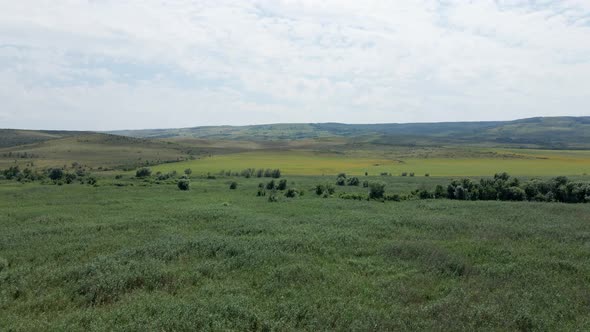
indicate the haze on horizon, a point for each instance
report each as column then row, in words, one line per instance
column 107, row 65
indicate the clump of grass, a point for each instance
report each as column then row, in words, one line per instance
column 431, row 257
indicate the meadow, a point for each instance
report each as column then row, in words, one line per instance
column 132, row 255
column 525, row 163
column 109, row 251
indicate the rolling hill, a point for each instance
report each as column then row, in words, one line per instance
column 540, row 132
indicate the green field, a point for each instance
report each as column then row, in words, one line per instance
column 138, row 254
column 526, row 163
column 150, row 257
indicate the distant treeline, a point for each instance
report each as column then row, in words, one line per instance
column 501, row 187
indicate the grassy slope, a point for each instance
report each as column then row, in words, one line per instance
column 154, row 258
column 15, row 137
column 93, row 150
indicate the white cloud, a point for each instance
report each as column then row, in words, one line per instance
column 136, row 64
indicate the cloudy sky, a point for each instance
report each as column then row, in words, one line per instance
column 114, row 64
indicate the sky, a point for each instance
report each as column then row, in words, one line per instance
column 115, row 64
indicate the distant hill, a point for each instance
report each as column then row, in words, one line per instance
column 90, row 149
column 14, row 137
column 540, row 132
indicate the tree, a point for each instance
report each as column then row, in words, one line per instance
column 233, row 185
column 184, row 184
column 143, row 172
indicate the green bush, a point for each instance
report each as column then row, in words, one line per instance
column 183, row 184
column 271, row 185
column 143, row 172
column 233, row 185
column 376, row 190
column 292, row 193
column 282, row 185
column 354, row 181
column 55, row 174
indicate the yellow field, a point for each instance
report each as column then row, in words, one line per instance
column 531, row 163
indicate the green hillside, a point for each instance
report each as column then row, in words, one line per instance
column 93, row 150
column 548, row 133
column 15, row 137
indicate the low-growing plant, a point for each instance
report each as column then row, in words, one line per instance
column 233, row 185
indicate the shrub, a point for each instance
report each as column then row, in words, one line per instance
column 424, row 194
column 365, row 184
column 70, row 177
column 516, row 194
column 366, row 173
column 276, row 173
column 291, row 193
column 330, row 189
column 354, row 181
column 319, row 189
column 188, row 171
column 393, row 197
column 427, row 174
column 282, row 185
column 439, row 192
column 273, row 197
column 183, row 184
column 233, row 185
column 412, row 174
column 11, row 172
column 324, row 190
column 91, row 180
column 405, row 174
column 261, row 192
column 143, row 172
column 55, row 174
column 376, row 190
column 341, row 181
column 353, row 196
column 271, row 185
